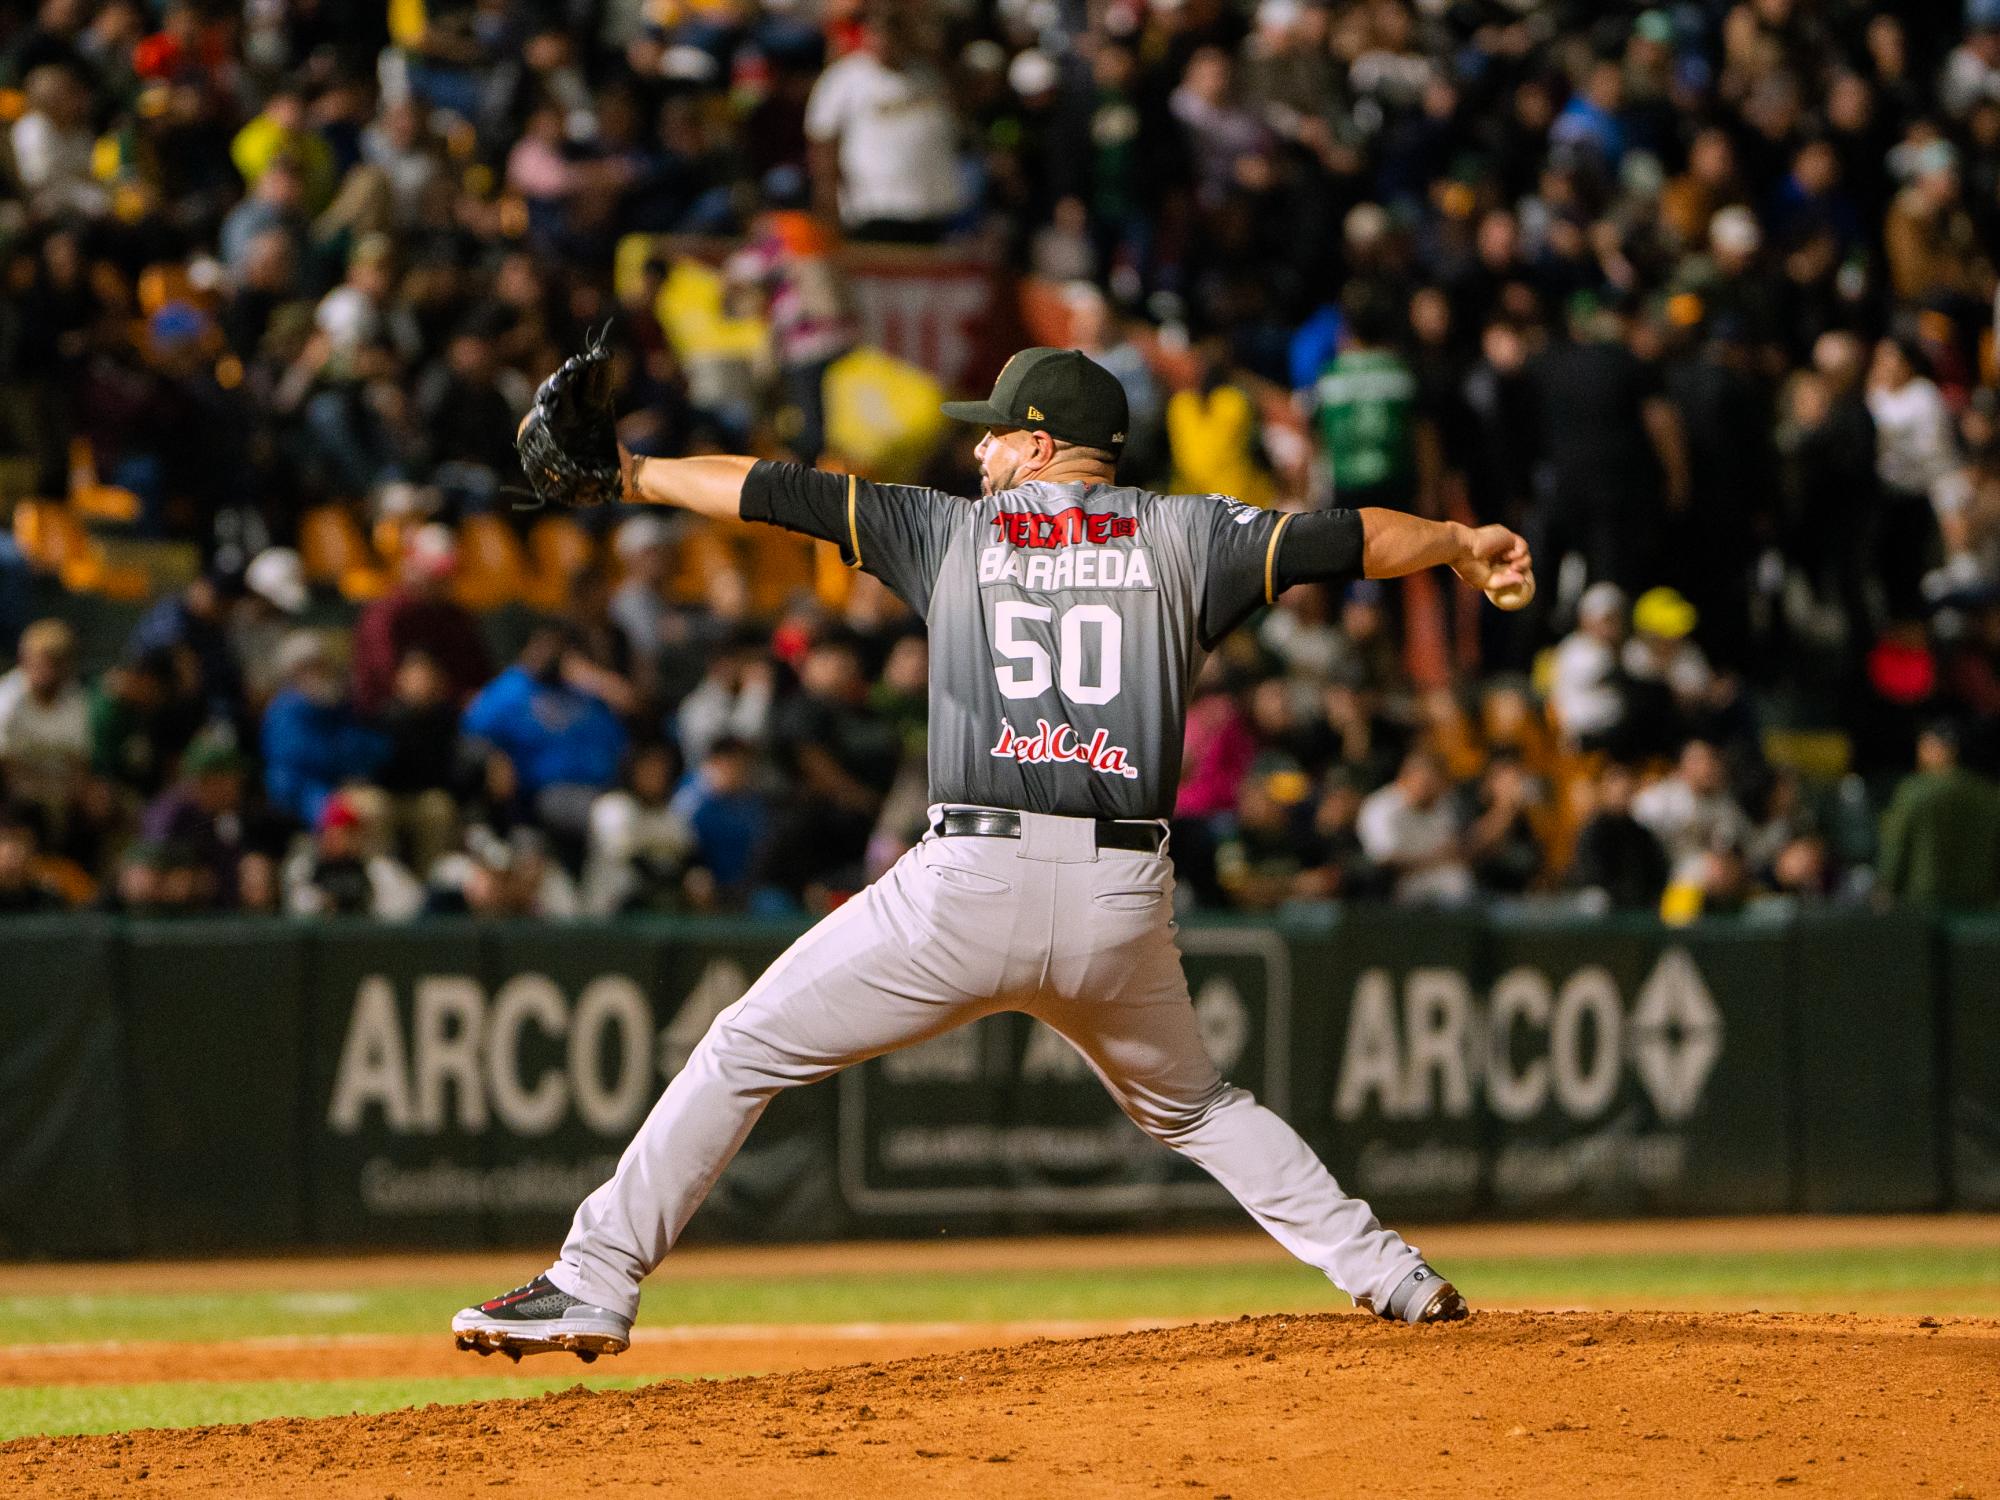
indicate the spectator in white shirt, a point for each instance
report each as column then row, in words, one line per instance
column 45, row 719
column 1583, row 684
column 1693, row 813
column 733, row 700
column 1412, row 829
column 1916, row 457
column 638, row 844
column 884, row 139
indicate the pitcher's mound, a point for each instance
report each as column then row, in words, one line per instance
column 1506, row 1404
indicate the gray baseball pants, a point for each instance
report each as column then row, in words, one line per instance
column 1079, row 938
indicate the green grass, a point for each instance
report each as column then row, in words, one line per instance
column 115, row 1408
column 1960, row 1281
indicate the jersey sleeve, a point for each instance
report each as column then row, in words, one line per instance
column 1238, row 560
column 897, row 532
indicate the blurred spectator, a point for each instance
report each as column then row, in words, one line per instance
column 1585, row 684
column 1941, row 832
column 1619, row 863
column 131, row 740
column 468, row 422
column 417, row 778
column 1501, row 842
column 419, row 615
column 1692, row 812
column 1380, row 447
column 790, row 265
column 1095, row 329
column 729, row 819
column 1668, row 675
column 45, row 721
column 1915, row 454
column 1411, row 829
column 1212, row 434
column 196, row 621
column 313, row 742
column 840, row 757
column 638, row 843
column 561, row 739
column 335, row 875
column 503, row 877
column 196, row 827
column 1260, row 862
column 884, row 138
column 274, row 595
column 1616, row 460
column 733, row 699
column 1338, row 867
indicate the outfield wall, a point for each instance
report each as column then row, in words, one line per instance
column 193, row 1086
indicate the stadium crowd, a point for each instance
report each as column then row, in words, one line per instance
column 1701, row 297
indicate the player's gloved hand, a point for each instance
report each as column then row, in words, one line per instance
column 1498, row 564
column 568, row 441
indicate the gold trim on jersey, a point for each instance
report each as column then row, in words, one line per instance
column 1271, row 559
column 853, row 531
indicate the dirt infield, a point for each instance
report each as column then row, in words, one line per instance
column 1507, row 1404
column 697, row 1350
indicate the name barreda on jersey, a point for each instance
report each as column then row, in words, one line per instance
column 1057, row 744
column 1083, row 568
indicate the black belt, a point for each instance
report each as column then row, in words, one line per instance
column 996, row 823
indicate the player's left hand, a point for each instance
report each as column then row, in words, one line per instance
column 1499, row 565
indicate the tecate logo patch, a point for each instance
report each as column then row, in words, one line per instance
column 1057, row 744
column 1063, row 528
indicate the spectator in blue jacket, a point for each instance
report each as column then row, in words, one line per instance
column 314, row 742
column 563, row 740
column 729, row 817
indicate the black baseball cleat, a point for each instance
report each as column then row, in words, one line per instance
column 1423, row 1296
column 541, row 1318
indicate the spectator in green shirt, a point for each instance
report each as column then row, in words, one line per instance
column 1380, row 448
column 1941, row 834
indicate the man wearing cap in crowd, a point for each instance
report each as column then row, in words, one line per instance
column 202, row 813
column 313, row 742
column 419, row 614
column 274, row 596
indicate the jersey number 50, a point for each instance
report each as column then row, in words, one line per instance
column 1031, row 678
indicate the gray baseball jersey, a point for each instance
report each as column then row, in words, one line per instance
column 1067, row 622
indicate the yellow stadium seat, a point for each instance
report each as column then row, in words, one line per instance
column 105, row 502
column 558, row 550
column 48, row 534
column 698, row 557
column 492, row 569
column 333, row 550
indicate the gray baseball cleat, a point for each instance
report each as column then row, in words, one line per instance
column 541, row 1318
column 1423, row 1296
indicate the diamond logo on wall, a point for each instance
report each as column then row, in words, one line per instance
column 1676, row 1034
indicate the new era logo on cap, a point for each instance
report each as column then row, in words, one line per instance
column 1063, row 392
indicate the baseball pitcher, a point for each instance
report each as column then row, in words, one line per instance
column 1068, row 616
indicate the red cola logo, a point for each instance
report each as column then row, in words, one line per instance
column 1065, row 528
column 1054, row 744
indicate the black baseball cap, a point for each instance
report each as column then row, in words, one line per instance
column 1063, row 392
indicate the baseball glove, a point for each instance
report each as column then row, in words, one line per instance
column 569, row 441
